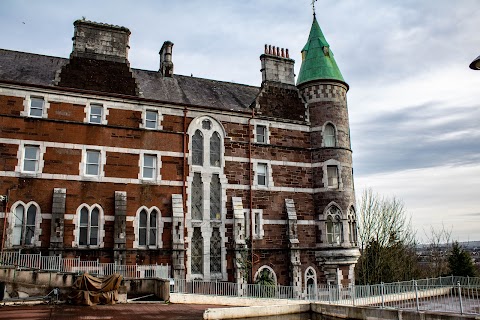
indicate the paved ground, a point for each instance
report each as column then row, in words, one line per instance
column 117, row 312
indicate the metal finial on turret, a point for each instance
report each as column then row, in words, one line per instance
column 313, row 7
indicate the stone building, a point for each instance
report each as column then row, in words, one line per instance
column 219, row 180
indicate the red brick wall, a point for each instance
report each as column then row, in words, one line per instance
column 66, row 111
column 11, row 105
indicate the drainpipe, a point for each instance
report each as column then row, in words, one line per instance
column 250, row 164
column 184, row 189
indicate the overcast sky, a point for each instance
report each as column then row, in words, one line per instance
column 414, row 104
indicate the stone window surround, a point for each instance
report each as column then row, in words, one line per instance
column 264, row 123
column 101, row 226
column 266, row 267
column 27, row 102
column 338, row 164
column 158, row 176
column 143, row 125
column 83, row 163
column 249, row 223
column 11, row 224
column 206, row 225
column 324, row 131
column 269, row 178
column 88, row 108
column 160, row 225
column 21, row 157
column 343, row 219
column 307, row 277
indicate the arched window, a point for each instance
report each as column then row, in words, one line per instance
column 206, row 193
column 197, row 251
column 197, row 148
column 352, row 226
column 265, row 276
column 197, row 196
column 310, row 282
column 334, row 226
column 25, row 217
column 329, row 136
column 89, row 226
column 215, row 150
column 216, row 251
column 215, row 198
column 147, row 228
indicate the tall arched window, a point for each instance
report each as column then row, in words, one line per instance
column 25, row 217
column 215, row 150
column 352, row 226
column 329, row 136
column 215, row 198
column 334, row 226
column 197, row 252
column 197, row 148
column 310, row 282
column 206, row 193
column 147, row 228
column 89, row 223
column 215, row 252
column 89, row 226
column 197, row 196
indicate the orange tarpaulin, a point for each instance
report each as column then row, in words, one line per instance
column 89, row 290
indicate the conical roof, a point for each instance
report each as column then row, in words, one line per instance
column 318, row 62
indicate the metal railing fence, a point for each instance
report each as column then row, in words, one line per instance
column 446, row 294
column 75, row 265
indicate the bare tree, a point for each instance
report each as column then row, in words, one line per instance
column 387, row 240
column 435, row 257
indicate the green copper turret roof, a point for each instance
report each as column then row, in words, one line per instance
column 317, row 58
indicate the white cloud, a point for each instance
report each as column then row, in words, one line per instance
column 444, row 195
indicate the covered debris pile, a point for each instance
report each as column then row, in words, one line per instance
column 89, row 290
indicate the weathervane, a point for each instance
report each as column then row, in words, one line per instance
column 313, row 7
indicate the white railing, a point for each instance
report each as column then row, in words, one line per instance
column 447, row 294
column 75, row 265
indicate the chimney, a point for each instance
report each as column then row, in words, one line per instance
column 100, row 41
column 166, row 64
column 277, row 66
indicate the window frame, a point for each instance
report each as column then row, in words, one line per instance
column 148, row 228
column 24, row 224
column 102, row 117
column 154, row 168
column 263, row 135
column 36, row 160
column 100, row 226
column 334, row 226
column 329, row 138
column 262, row 166
column 330, row 182
column 42, row 108
column 98, row 164
column 147, row 121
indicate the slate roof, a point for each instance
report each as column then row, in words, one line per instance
column 34, row 69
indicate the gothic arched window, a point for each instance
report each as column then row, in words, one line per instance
column 197, row 148
column 24, row 224
column 216, row 251
column 334, row 226
column 352, row 226
column 215, row 150
column 147, row 228
column 89, row 226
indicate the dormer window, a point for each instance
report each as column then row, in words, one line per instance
column 326, row 51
